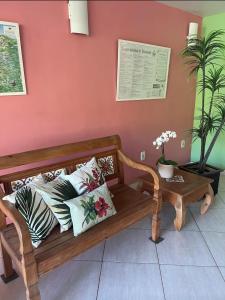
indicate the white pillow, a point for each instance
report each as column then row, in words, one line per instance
column 55, row 193
column 87, row 178
column 90, row 209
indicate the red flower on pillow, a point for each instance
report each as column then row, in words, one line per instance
column 92, row 185
column 101, row 207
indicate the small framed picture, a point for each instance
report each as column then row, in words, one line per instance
column 12, row 79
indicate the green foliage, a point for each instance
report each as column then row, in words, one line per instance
column 202, row 59
column 164, row 161
column 89, row 210
column 38, row 221
column 65, row 191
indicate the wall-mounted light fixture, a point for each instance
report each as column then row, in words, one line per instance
column 78, row 15
column 192, row 34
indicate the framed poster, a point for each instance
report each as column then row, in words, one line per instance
column 142, row 71
column 12, row 80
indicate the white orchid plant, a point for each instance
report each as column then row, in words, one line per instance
column 160, row 142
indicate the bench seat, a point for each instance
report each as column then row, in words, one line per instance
column 131, row 206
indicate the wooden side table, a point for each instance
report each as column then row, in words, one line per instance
column 179, row 194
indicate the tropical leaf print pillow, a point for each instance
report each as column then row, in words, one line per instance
column 54, row 194
column 86, row 178
column 90, row 209
column 39, row 218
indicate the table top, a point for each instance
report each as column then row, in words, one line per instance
column 191, row 182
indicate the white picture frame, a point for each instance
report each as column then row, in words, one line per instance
column 12, row 79
column 142, row 71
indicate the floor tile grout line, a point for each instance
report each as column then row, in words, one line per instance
column 160, row 272
column 163, row 229
column 208, row 248
column 150, row 263
column 99, row 279
column 192, row 266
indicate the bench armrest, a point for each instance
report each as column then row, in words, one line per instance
column 9, row 210
column 139, row 166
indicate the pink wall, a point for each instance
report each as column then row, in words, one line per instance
column 71, row 79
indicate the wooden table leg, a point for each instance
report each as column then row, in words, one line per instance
column 207, row 201
column 180, row 209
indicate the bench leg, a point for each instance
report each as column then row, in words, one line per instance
column 9, row 274
column 33, row 293
column 30, row 277
column 156, row 229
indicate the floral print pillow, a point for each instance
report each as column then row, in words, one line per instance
column 90, row 209
column 86, row 178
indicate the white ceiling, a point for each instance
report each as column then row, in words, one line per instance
column 200, row 8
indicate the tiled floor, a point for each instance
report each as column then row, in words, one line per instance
column 187, row 265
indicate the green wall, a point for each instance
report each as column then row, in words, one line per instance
column 217, row 156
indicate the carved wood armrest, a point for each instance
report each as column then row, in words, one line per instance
column 139, row 166
column 157, row 196
column 14, row 215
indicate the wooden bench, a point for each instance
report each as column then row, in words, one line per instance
column 59, row 248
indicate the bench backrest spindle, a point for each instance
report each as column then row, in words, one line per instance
column 104, row 149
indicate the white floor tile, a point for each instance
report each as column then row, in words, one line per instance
column 167, row 218
column 75, row 280
column 168, row 215
column 130, row 282
column 216, row 244
column 222, row 183
column 131, row 246
column 13, row 290
column 213, row 220
column 217, row 203
column 222, row 195
column 222, row 270
column 184, row 248
column 192, row 283
column 93, row 254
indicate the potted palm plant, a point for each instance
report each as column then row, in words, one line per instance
column 203, row 56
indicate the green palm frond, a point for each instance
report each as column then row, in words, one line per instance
column 214, row 80
column 65, row 191
column 38, row 220
column 204, row 51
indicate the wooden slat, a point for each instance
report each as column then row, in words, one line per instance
column 71, row 163
column 20, row 159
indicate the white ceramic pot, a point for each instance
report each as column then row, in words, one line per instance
column 165, row 171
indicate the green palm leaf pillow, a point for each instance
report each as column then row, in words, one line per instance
column 54, row 194
column 90, row 209
column 87, row 178
column 39, row 218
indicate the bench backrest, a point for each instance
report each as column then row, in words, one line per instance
column 71, row 157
